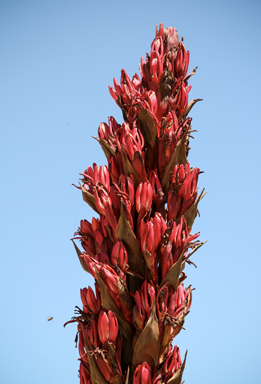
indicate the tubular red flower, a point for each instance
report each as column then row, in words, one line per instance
column 166, row 257
column 93, row 335
column 104, row 205
column 142, row 374
column 139, row 313
column 107, row 327
column 147, row 237
column 119, row 256
column 183, row 192
column 144, row 299
column 172, row 363
column 85, row 378
column 104, row 368
column 91, row 304
column 144, row 195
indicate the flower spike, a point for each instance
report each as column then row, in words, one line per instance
column 146, row 200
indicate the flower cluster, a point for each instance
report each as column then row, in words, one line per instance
column 146, row 200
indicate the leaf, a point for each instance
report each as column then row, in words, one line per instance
column 149, row 260
column 129, row 170
column 191, row 74
column 189, row 107
column 177, row 377
column 107, row 149
column 147, row 346
column 191, row 213
column 179, row 156
column 125, row 233
column 148, row 126
column 149, row 131
column 166, row 340
column 109, row 304
column 193, row 251
column 81, row 259
column 172, row 276
column 124, row 295
column 89, row 198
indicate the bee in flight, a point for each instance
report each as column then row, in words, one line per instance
column 49, row 318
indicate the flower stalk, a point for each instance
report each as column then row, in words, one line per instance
column 146, row 200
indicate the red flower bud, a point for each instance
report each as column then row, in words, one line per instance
column 160, row 227
column 98, row 240
column 103, row 327
column 170, row 37
column 144, row 300
column 86, row 228
column 93, row 335
column 182, row 61
column 172, row 363
column 95, row 224
column 104, row 205
column 183, row 192
column 104, row 368
column 103, row 258
column 138, row 312
column 147, row 297
column 116, row 206
column 107, row 327
column 85, row 377
column 147, row 237
column 166, row 257
column 119, row 255
column 180, row 301
column 90, row 303
column 110, row 278
column 159, row 379
column 81, row 344
column 83, row 298
column 101, row 198
column 142, row 374
column 144, row 195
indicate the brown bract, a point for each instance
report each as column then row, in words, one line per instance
column 177, row 377
column 172, row 276
column 149, row 130
column 147, row 346
column 125, row 233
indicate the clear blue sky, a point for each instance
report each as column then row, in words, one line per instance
column 56, row 62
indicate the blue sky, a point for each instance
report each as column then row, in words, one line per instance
column 57, row 60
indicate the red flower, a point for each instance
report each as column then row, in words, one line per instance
column 142, row 374
column 107, row 327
